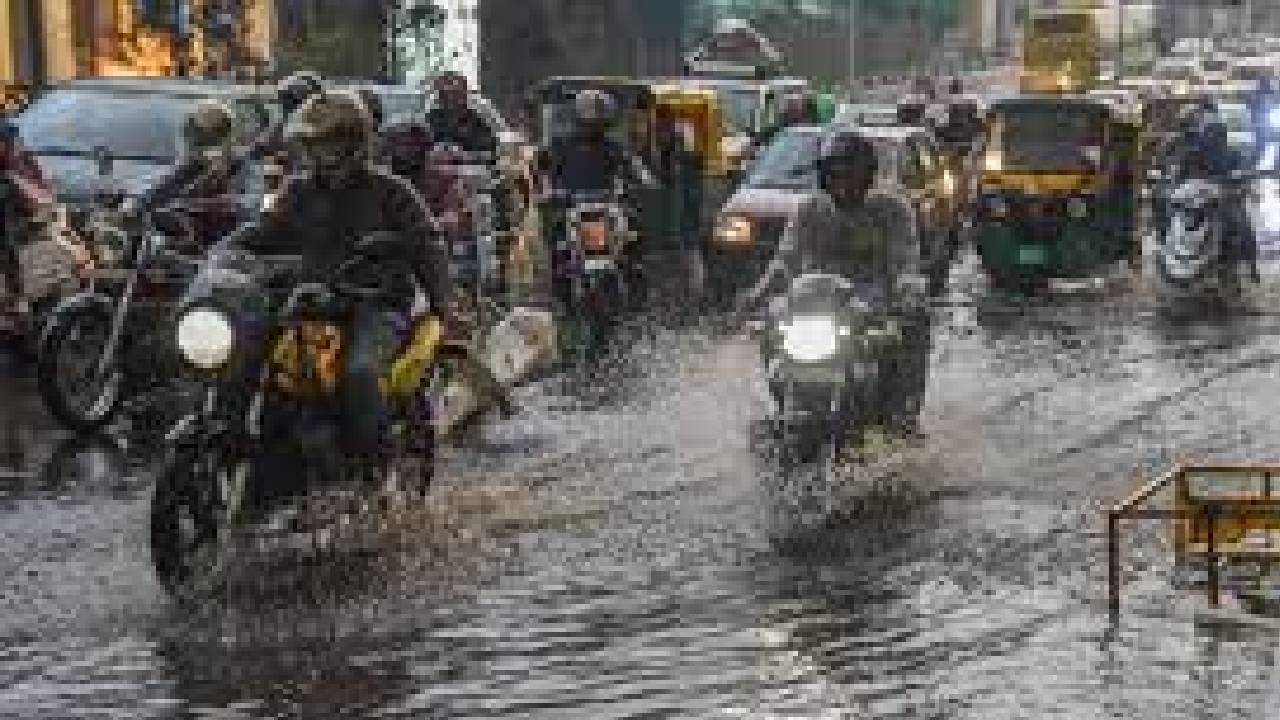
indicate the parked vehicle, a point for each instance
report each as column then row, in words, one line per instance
column 120, row 136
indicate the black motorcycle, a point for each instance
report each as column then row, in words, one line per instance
column 267, row 343
column 836, row 364
column 107, row 345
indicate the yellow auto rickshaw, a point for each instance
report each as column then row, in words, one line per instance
column 1056, row 189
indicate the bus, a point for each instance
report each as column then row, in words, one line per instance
column 1061, row 52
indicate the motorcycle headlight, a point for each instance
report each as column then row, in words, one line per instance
column 206, row 338
column 734, row 231
column 811, row 339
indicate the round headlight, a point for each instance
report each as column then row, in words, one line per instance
column 206, row 338
column 810, row 339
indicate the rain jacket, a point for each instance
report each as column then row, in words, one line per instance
column 876, row 245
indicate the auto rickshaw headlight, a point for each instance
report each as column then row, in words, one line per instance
column 734, row 230
column 206, row 338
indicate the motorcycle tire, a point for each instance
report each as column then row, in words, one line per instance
column 80, row 417
column 187, row 520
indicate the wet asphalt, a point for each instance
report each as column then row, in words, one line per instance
column 611, row 555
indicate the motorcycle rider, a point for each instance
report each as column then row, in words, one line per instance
column 206, row 180
column 25, row 191
column 1206, row 154
column 586, row 161
column 453, row 121
column 340, row 199
column 291, row 93
column 849, row 228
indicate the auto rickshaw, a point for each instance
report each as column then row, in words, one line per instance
column 692, row 186
column 1056, row 189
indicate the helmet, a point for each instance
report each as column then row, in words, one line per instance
column 372, row 103
column 452, row 85
column 295, row 89
column 799, row 109
column 847, row 153
column 211, row 126
column 592, row 106
column 332, row 132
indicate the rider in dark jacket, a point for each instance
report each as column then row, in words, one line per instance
column 340, row 200
column 587, row 161
column 1207, row 154
column 454, row 122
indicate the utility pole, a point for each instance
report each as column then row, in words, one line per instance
column 853, row 42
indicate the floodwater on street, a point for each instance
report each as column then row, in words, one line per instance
column 612, row 558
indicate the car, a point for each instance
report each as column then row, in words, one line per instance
column 912, row 166
column 751, row 222
column 123, row 134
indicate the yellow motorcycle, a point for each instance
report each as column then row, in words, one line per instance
column 269, row 346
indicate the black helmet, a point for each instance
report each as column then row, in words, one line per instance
column 295, row 89
column 799, row 108
column 407, row 142
column 846, row 152
column 210, row 126
column 332, row 131
column 592, row 106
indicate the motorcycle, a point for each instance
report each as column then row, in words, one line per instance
column 1194, row 258
column 831, row 367
column 267, row 346
column 106, row 344
column 600, row 274
column 460, row 188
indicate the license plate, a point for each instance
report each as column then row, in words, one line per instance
column 594, row 264
column 1032, row 255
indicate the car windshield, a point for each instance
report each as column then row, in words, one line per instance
column 126, row 124
column 788, row 162
column 1049, row 137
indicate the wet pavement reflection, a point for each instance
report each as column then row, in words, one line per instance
column 611, row 556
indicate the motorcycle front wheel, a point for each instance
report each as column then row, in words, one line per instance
column 76, row 393
column 187, row 513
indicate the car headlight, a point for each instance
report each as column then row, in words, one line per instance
column 734, row 230
column 811, row 339
column 206, row 338
column 993, row 161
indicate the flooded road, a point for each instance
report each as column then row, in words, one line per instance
column 611, row 559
